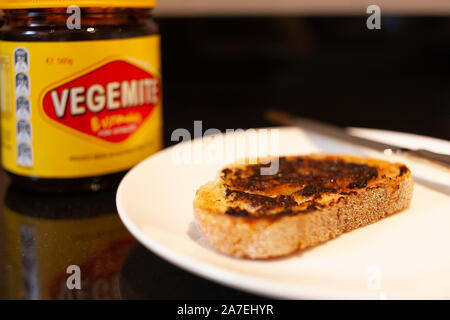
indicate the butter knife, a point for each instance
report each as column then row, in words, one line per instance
column 331, row 131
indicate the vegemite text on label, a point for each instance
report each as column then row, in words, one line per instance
column 109, row 102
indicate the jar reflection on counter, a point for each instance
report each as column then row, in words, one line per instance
column 44, row 235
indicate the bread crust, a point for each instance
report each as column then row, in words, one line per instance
column 261, row 237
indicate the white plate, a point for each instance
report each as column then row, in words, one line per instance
column 405, row 256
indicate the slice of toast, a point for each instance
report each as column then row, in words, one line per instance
column 311, row 199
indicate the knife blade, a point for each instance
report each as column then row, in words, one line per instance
column 331, row 131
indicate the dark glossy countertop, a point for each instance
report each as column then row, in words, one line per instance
column 41, row 235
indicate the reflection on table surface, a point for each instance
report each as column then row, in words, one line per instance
column 41, row 235
column 45, row 234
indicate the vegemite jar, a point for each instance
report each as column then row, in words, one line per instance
column 80, row 91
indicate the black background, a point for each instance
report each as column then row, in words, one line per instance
column 227, row 71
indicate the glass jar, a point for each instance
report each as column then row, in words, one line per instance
column 81, row 92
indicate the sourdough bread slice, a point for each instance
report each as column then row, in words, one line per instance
column 310, row 200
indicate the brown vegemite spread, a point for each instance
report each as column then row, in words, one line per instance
column 297, row 177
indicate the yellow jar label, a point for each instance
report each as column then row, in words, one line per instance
column 81, row 108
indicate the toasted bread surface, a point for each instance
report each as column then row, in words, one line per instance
column 311, row 199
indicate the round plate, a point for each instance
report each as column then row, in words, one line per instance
column 404, row 256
